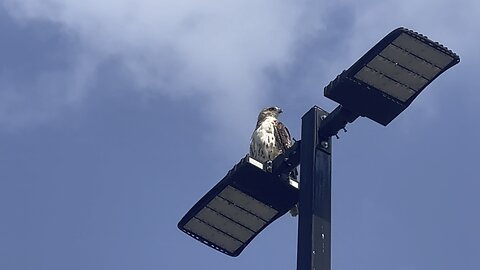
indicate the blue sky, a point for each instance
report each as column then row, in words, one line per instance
column 117, row 116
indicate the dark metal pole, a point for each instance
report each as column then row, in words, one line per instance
column 314, row 233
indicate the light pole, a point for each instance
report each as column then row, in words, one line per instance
column 313, row 249
column 380, row 85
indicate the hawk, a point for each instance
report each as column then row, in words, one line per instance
column 271, row 137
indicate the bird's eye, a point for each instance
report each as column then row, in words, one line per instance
column 271, row 109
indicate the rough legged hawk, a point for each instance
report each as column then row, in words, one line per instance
column 270, row 139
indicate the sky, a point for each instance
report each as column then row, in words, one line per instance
column 117, row 116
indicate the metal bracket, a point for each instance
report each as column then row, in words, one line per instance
column 287, row 162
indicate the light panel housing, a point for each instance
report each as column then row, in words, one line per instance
column 239, row 207
column 384, row 81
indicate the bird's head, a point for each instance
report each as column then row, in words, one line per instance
column 269, row 111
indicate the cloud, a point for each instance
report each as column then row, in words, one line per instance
column 445, row 21
column 216, row 50
column 222, row 52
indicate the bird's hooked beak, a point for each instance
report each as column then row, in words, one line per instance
column 279, row 110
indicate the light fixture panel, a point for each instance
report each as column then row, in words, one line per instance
column 248, row 203
column 201, row 230
column 397, row 73
column 384, row 81
column 423, row 50
column 418, row 65
column 239, row 207
column 226, row 225
column 232, row 211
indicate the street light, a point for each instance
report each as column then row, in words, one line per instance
column 380, row 85
column 240, row 206
column 385, row 81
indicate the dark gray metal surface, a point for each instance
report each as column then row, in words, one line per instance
column 314, row 232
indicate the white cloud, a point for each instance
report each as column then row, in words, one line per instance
column 219, row 50
column 215, row 49
column 446, row 21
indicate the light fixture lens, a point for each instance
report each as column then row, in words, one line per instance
column 384, row 83
column 423, row 50
column 213, row 235
column 236, row 213
column 248, row 203
column 230, row 215
column 404, row 67
column 409, row 61
column 231, row 219
column 228, row 226
column 398, row 73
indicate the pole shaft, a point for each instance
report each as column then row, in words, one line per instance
column 314, row 232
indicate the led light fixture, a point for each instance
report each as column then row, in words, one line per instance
column 239, row 207
column 384, row 81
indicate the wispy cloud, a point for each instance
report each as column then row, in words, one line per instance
column 217, row 50
column 220, row 50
